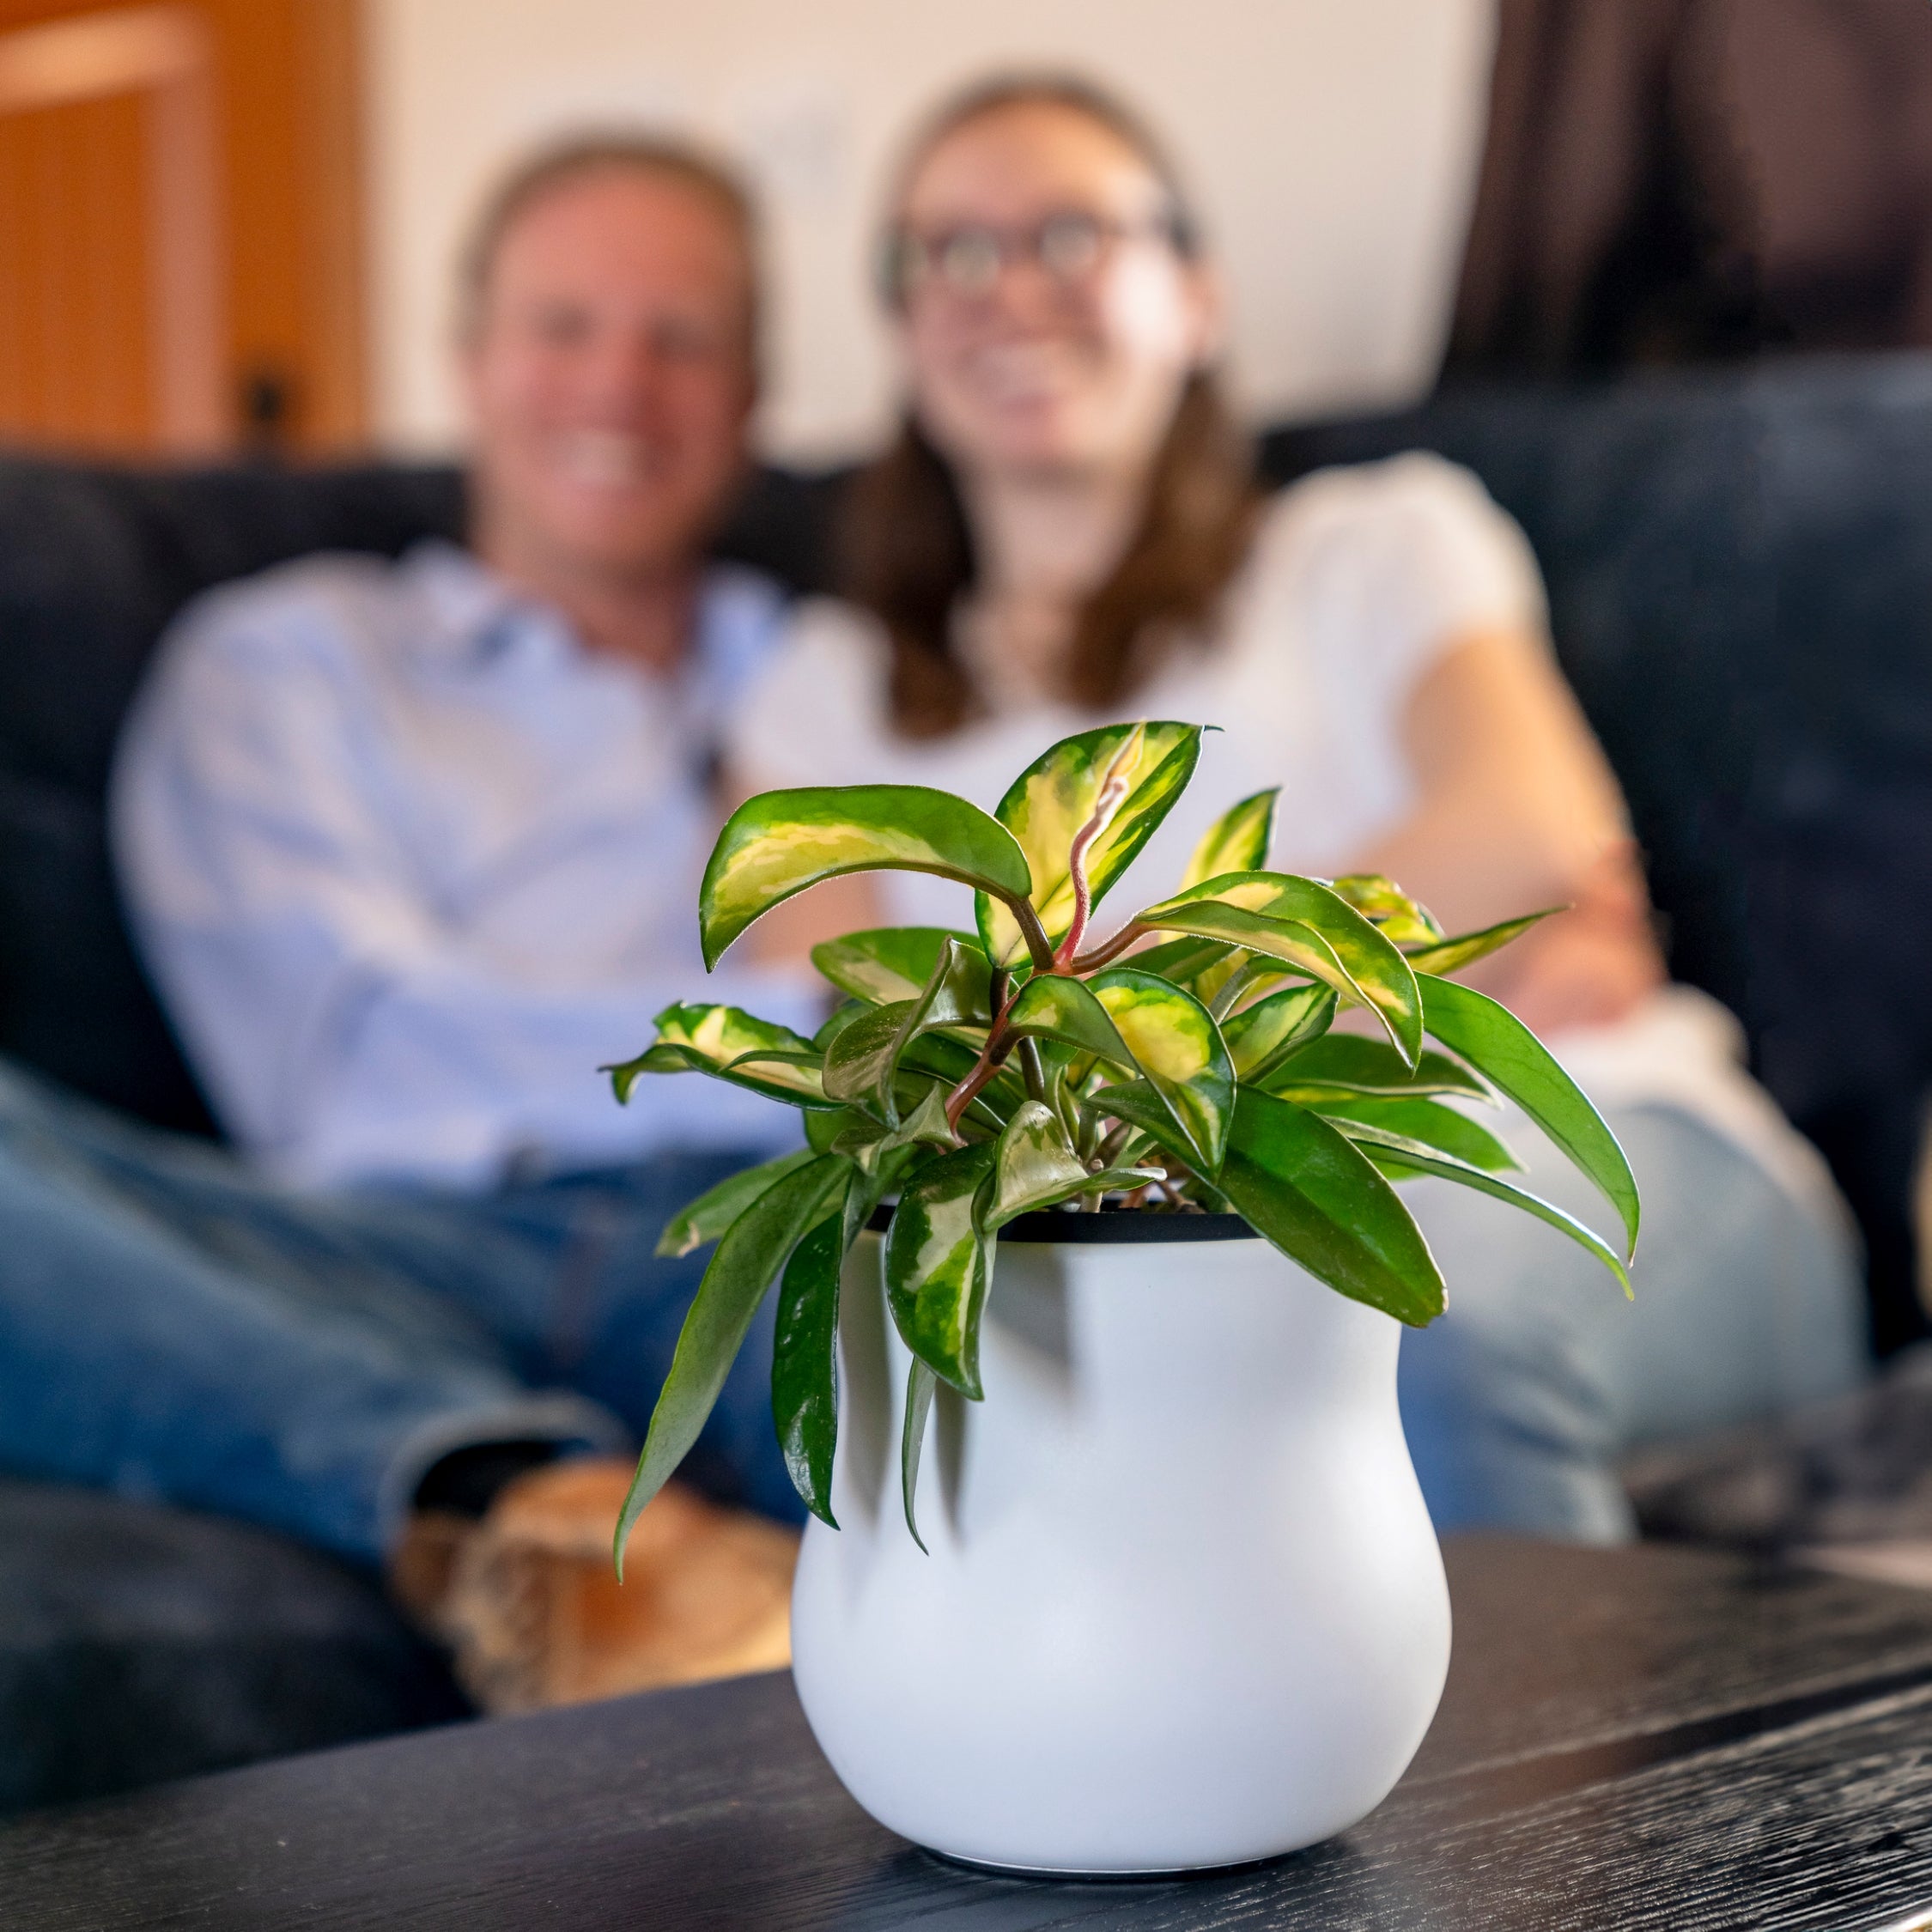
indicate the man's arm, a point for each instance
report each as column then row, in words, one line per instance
column 1518, row 810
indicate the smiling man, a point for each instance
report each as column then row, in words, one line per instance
column 411, row 849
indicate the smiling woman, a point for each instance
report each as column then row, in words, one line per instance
column 1066, row 533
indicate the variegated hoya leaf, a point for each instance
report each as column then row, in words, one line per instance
column 1237, row 842
column 1386, row 906
column 1429, row 1121
column 731, row 1045
column 1303, row 923
column 1053, row 798
column 1451, row 955
column 895, row 961
column 1051, row 1006
column 780, row 842
column 1500, row 1047
column 755, row 1248
column 1318, row 1198
column 714, row 1210
column 863, row 1060
column 938, row 1264
column 1260, row 1037
column 804, row 1376
column 1179, row 1050
column 1407, row 1157
column 1348, row 1062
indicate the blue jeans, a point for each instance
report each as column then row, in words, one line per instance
column 1519, row 1401
column 173, row 1325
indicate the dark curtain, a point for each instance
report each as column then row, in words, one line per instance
column 1690, row 180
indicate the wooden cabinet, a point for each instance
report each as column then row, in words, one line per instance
column 180, row 226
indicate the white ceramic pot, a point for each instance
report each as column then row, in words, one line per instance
column 1183, row 1606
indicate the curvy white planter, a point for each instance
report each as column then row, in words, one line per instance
column 1184, row 1607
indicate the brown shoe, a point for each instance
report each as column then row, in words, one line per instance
column 536, row 1617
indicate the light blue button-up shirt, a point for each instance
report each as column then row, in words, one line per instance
column 409, row 863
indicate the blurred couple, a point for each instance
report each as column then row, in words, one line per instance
column 411, row 849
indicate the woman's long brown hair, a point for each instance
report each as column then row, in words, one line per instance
column 907, row 549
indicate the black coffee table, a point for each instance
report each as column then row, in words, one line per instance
column 1647, row 1738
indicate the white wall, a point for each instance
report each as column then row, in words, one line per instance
column 1334, row 144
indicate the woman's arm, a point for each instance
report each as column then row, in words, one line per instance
column 1518, row 810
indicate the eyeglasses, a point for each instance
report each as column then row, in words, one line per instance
column 965, row 262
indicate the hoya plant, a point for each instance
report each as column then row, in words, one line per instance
column 1184, row 1062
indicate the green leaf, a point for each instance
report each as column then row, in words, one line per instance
column 938, row 1264
column 923, row 1123
column 1179, row 1048
column 716, row 1208
column 1182, row 960
column 920, row 1384
column 1304, row 1187
column 1350, row 1064
column 729, row 1044
column 1425, row 1120
column 1260, row 1037
column 1501, row 1048
column 895, row 961
column 1385, row 905
column 1301, row 921
column 804, row 1376
column 1137, row 1103
column 828, row 1132
column 1054, row 797
column 1451, row 955
column 795, row 1074
column 780, row 842
column 1034, row 1168
column 1237, row 842
column 1051, row 1006
column 1409, row 1157
column 863, row 1060
column 752, row 1251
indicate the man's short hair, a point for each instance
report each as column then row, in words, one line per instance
column 661, row 157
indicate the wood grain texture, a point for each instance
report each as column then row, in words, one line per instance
column 1636, row 1739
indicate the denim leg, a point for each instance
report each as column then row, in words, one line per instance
column 172, row 1326
column 1520, row 1401
column 600, row 1312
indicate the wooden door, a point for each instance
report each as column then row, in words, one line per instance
column 180, row 232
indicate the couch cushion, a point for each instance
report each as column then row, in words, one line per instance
column 139, row 1644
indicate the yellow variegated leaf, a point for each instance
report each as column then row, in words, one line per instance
column 1054, row 797
column 780, row 842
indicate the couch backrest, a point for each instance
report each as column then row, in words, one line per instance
column 94, row 561
column 1741, row 578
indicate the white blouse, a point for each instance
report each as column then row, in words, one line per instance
column 1358, row 581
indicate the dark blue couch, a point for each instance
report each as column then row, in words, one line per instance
column 1741, row 574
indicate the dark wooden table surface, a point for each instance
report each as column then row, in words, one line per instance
column 1647, row 1738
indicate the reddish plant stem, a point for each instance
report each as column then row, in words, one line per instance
column 1046, row 959
column 1107, row 801
column 1108, row 950
column 1001, row 994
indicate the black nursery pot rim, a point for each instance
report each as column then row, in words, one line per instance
column 1112, row 1226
